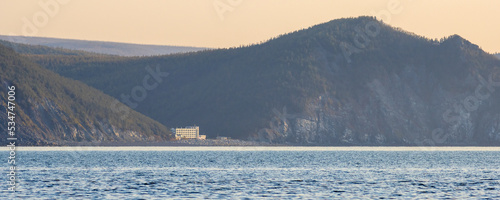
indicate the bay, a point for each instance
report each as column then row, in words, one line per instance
column 255, row 172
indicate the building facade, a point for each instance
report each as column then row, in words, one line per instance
column 190, row 132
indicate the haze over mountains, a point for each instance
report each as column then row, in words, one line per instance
column 112, row 48
column 351, row 81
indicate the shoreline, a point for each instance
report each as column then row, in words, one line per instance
column 232, row 143
column 249, row 148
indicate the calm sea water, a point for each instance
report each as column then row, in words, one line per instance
column 250, row 172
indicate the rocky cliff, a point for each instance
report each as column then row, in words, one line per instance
column 354, row 81
column 53, row 110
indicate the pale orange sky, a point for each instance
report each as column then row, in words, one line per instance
column 239, row 22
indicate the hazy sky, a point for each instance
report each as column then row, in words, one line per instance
column 227, row 23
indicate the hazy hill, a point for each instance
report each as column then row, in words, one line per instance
column 112, row 48
column 46, row 50
column 55, row 110
column 351, row 81
column 497, row 55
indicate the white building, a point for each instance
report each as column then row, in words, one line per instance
column 190, row 132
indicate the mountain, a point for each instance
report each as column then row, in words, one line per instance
column 53, row 110
column 45, row 50
column 497, row 55
column 354, row 81
column 111, row 48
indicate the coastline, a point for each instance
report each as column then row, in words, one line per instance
column 249, row 148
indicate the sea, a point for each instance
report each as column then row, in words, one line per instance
column 254, row 173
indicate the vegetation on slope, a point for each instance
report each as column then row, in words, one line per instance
column 392, row 88
column 52, row 109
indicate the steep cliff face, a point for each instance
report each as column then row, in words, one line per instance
column 45, row 124
column 449, row 97
column 392, row 113
column 353, row 81
column 52, row 110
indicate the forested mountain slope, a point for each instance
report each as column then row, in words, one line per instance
column 53, row 110
column 354, row 81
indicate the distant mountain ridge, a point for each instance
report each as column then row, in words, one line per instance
column 46, row 50
column 53, row 110
column 353, row 81
column 497, row 55
column 111, row 48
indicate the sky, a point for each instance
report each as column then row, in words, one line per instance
column 230, row 23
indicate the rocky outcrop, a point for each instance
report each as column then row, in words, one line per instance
column 52, row 110
column 353, row 81
column 427, row 104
